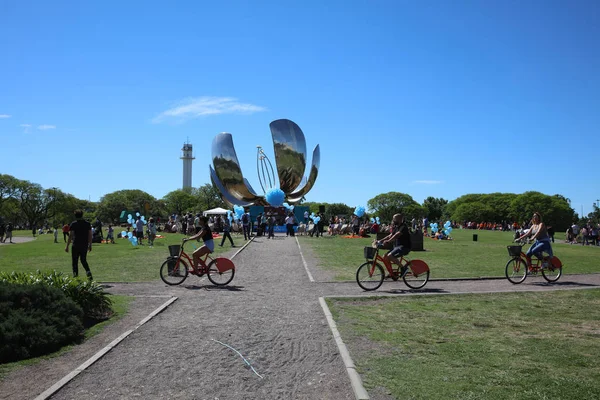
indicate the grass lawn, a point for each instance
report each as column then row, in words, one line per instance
column 458, row 258
column 120, row 262
column 482, row 346
column 120, row 305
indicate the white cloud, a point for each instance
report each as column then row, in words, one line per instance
column 428, row 182
column 46, row 127
column 5, row 116
column 26, row 128
column 195, row 107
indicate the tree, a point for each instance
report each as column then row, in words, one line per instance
column 555, row 210
column 9, row 186
column 179, row 201
column 385, row 205
column 36, row 203
column 434, row 208
column 111, row 205
column 208, row 197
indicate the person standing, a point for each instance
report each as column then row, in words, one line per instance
column 110, row 236
column 139, row 230
column 65, row 231
column 55, row 234
column 2, row 232
column 80, row 234
column 226, row 232
column 289, row 225
column 197, row 226
column 151, row 232
column 306, row 217
column 271, row 226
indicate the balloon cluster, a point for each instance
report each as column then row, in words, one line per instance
column 132, row 239
column 359, row 211
column 131, row 220
column 239, row 211
column 315, row 218
column 275, row 197
column 376, row 219
column 229, row 217
column 434, row 227
column 288, row 208
column 447, row 228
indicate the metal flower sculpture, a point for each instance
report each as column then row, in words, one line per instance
column 290, row 158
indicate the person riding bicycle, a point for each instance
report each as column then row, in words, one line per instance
column 539, row 233
column 206, row 235
column 401, row 237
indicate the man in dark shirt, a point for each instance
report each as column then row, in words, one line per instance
column 401, row 237
column 80, row 234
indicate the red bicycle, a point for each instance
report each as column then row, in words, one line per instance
column 517, row 267
column 370, row 275
column 175, row 269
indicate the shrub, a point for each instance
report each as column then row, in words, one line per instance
column 36, row 320
column 90, row 296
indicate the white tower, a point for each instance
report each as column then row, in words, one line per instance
column 187, row 158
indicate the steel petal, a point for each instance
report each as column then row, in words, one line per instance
column 290, row 153
column 314, row 171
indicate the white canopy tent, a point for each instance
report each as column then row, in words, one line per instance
column 215, row 211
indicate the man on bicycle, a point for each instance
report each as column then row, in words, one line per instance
column 401, row 237
column 539, row 233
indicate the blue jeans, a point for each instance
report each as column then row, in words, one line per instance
column 539, row 246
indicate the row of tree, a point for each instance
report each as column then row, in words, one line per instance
column 28, row 203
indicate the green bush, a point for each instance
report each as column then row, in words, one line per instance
column 90, row 296
column 36, row 320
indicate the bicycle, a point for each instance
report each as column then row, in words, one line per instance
column 370, row 275
column 517, row 268
column 220, row 271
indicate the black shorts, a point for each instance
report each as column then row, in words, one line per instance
column 139, row 235
column 399, row 251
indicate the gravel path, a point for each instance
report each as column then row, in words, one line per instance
column 270, row 314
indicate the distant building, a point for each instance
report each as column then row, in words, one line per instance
column 187, row 158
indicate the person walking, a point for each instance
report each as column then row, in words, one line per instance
column 289, row 224
column 9, row 229
column 80, row 234
column 65, row 231
column 226, row 231
column 246, row 225
column 110, row 236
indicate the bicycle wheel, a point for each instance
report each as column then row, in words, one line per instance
column 221, row 271
column 516, row 270
column 418, row 276
column 553, row 270
column 173, row 272
column 368, row 280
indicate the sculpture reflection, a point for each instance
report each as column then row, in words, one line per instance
column 290, row 158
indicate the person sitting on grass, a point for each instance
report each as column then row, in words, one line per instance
column 401, row 238
column 206, row 235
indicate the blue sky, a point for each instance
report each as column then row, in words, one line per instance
column 433, row 98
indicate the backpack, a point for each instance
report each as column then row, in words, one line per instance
column 245, row 218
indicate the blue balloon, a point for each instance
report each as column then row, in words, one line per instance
column 137, row 214
column 316, row 220
column 359, row 211
column 134, row 241
column 239, row 211
column 377, row 219
column 129, row 216
column 275, row 197
column 449, row 229
column 123, row 233
column 447, row 232
column 129, row 234
column 372, row 220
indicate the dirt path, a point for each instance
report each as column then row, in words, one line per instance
column 18, row 239
column 270, row 314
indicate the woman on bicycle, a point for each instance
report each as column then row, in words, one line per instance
column 401, row 237
column 206, row 235
column 539, row 233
